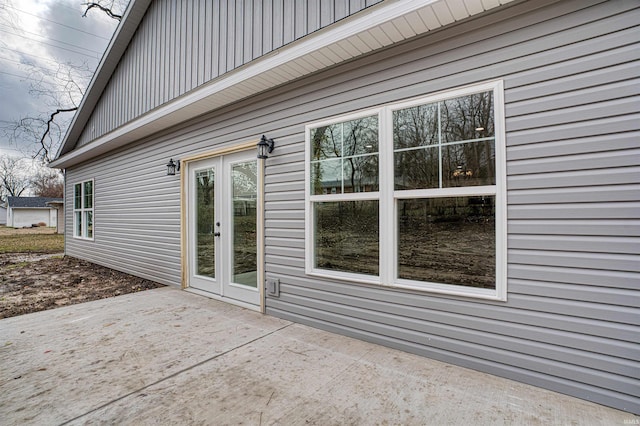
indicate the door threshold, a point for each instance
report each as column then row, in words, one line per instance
column 224, row 299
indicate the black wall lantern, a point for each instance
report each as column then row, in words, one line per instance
column 173, row 167
column 265, row 146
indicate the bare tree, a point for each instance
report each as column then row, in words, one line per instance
column 47, row 183
column 60, row 90
column 13, row 180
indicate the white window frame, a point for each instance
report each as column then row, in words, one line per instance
column 83, row 210
column 387, row 198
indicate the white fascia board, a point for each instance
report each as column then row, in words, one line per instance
column 208, row 97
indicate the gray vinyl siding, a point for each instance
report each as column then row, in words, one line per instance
column 572, row 319
column 182, row 44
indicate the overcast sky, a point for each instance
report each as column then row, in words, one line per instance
column 38, row 35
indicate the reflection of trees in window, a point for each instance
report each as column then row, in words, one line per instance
column 446, row 143
column 205, row 187
column 344, row 156
column 347, row 236
column 468, row 118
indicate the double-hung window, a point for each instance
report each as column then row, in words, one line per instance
column 412, row 194
column 83, row 210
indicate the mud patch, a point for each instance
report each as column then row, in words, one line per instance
column 37, row 282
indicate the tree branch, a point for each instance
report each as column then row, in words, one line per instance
column 102, row 8
column 46, row 132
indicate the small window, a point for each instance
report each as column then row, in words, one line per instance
column 83, row 210
column 412, row 195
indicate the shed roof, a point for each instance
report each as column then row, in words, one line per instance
column 31, row 202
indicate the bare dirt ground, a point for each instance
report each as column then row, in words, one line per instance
column 32, row 282
column 37, row 282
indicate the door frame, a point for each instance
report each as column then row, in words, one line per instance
column 185, row 166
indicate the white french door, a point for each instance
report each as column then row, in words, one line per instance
column 222, row 201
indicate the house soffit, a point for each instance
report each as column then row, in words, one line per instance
column 374, row 28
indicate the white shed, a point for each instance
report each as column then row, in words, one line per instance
column 27, row 211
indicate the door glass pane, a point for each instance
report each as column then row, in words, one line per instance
column 448, row 240
column 245, row 190
column 205, row 223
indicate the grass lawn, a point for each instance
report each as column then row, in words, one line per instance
column 30, row 240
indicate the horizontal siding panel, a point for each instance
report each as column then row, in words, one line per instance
column 620, row 79
column 577, row 114
column 285, row 214
column 480, row 332
column 284, row 223
column 589, row 161
column 604, row 126
column 285, row 251
column 283, row 196
column 606, row 295
column 575, row 211
column 580, row 178
column 595, row 277
column 597, row 194
column 601, row 227
column 602, row 261
column 622, row 92
column 590, row 244
column 403, row 331
column 504, row 328
column 528, row 376
column 497, row 311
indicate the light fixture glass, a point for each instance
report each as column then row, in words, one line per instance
column 265, row 146
column 172, row 167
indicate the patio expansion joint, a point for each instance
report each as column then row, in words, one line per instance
column 177, row 373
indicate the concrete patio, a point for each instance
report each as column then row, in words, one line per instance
column 167, row 356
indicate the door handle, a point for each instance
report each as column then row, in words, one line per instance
column 216, row 234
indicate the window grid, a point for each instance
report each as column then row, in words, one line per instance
column 388, row 197
column 83, row 208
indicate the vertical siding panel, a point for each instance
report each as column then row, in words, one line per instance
column 248, row 31
column 278, row 23
column 288, row 19
column 313, row 15
column 355, row 5
column 267, row 26
column 257, row 29
column 223, row 37
column 184, row 68
column 300, row 19
column 207, row 28
column 181, row 44
column 326, row 12
column 341, row 8
column 187, row 45
column 239, row 30
column 230, row 41
column 153, row 56
column 202, row 36
column 172, row 63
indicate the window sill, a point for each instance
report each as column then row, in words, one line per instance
column 419, row 287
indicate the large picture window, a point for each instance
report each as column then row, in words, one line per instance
column 412, row 194
column 83, row 210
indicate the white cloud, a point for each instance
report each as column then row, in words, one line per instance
column 29, row 46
